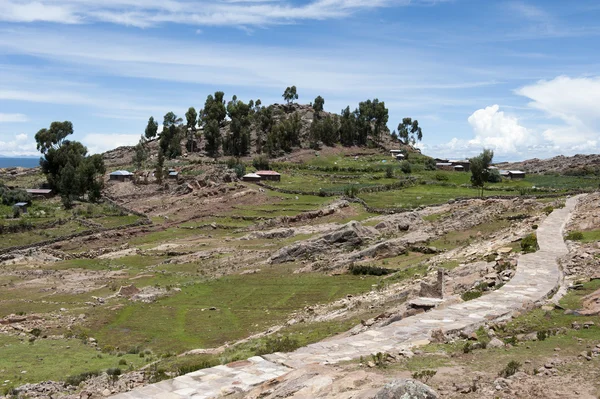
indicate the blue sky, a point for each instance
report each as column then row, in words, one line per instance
column 520, row 77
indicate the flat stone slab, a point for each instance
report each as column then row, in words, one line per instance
column 537, row 277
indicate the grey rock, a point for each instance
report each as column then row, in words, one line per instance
column 406, row 389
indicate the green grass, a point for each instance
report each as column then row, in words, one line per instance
column 246, row 304
column 23, row 362
column 459, row 238
column 421, row 195
column 589, row 236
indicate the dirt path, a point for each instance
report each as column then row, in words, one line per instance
column 537, row 277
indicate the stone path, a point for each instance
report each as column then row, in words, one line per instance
column 537, row 277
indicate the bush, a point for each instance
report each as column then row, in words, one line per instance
column 350, row 191
column 467, row 296
column 113, row 372
column 278, row 344
column 494, row 176
column 190, row 368
column 430, row 164
column 406, row 167
column 389, row 172
column 368, row 270
column 441, row 177
column 529, row 243
column 548, row 210
column 542, row 335
column 261, row 162
column 77, row 379
column 575, row 236
column 424, row 375
column 122, row 362
column 511, row 368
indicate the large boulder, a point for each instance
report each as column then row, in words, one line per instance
column 406, row 389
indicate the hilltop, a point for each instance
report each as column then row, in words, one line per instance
column 577, row 165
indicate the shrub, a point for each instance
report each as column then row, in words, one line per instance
column 575, row 236
column 190, row 368
column 511, row 368
column 379, row 359
column 350, row 191
column 469, row 295
column 122, row 362
column 36, row 332
column 261, row 162
column 406, row 167
column 369, row 270
column 548, row 209
column 494, row 176
column 278, row 344
column 430, row 164
column 542, row 335
column 424, row 375
column 529, row 243
column 441, row 177
column 77, row 379
column 389, row 172
column 467, row 347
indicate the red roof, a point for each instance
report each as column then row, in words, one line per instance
column 267, row 173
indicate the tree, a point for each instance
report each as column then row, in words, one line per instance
column 151, row 129
column 191, row 117
column 410, row 131
column 264, row 122
column 238, row 142
column 318, row 104
column 158, row 168
column 290, row 94
column 212, row 135
column 347, row 128
column 480, row 169
column 68, row 168
column 170, row 137
column 141, row 153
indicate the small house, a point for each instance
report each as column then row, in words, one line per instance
column 121, row 176
column 22, row 206
column 251, row 177
column 269, row 175
column 395, row 153
column 444, row 166
column 40, row 192
column 173, row 174
column 459, row 168
column 516, row 174
column 466, row 165
column 400, row 157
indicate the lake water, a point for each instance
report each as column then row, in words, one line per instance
column 22, row 162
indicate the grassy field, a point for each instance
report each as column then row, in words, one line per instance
column 421, row 195
column 22, row 361
column 245, row 304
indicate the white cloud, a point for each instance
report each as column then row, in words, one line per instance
column 20, row 145
column 502, row 133
column 148, row 13
column 98, row 142
column 12, row 118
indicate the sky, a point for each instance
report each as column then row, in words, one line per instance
column 519, row 77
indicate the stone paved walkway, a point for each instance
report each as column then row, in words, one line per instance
column 537, row 277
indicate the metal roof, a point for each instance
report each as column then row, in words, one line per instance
column 252, row 175
column 173, row 173
column 121, row 173
column 39, row 190
column 267, row 173
column 443, row 164
column 516, row 172
column 21, row 204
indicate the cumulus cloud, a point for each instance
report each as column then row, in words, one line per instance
column 12, row 118
column 100, row 142
column 568, row 124
column 498, row 131
column 20, row 145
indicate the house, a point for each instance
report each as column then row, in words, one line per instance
column 121, row 175
column 40, row 192
column 466, row 165
column 269, row 175
column 400, row 157
column 173, row 174
column 251, row 177
column 516, row 174
column 444, row 166
column 395, row 153
column 22, row 206
column 459, row 168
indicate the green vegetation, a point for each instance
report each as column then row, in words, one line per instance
column 584, row 236
column 40, row 362
column 529, row 243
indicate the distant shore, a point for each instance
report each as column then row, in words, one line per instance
column 19, row 162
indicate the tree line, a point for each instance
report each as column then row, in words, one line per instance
column 276, row 131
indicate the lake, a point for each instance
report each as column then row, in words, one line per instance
column 22, row 162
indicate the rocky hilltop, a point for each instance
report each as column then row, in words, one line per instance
column 575, row 165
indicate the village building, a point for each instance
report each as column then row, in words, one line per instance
column 173, row 174
column 40, row 192
column 516, row 174
column 269, row 175
column 396, row 153
column 251, row 177
column 453, row 165
column 121, row 176
column 22, row 206
column 444, row 166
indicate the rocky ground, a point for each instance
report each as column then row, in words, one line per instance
column 560, row 164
